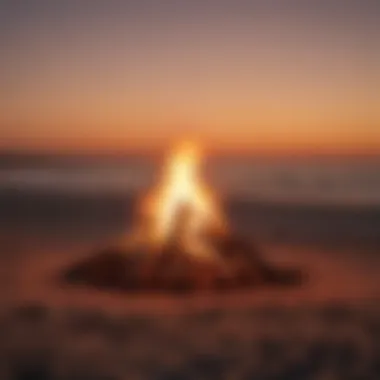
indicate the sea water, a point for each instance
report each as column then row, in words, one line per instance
column 300, row 180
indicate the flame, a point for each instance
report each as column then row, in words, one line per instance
column 182, row 200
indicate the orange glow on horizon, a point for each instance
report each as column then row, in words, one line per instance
column 255, row 142
column 261, row 80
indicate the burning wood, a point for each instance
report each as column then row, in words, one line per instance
column 181, row 206
column 182, row 242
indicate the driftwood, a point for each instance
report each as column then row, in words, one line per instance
column 237, row 263
column 172, row 270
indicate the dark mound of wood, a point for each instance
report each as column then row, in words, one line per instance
column 174, row 271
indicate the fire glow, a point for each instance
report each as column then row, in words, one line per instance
column 182, row 206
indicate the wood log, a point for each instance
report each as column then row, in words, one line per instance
column 173, row 270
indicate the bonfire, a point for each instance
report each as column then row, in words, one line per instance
column 181, row 241
column 180, row 210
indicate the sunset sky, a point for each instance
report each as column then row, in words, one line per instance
column 271, row 76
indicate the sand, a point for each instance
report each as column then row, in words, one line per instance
column 331, row 279
column 327, row 329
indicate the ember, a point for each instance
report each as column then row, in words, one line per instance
column 181, row 242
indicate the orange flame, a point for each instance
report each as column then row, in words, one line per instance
column 182, row 188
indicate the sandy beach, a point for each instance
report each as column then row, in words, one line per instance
column 328, row 328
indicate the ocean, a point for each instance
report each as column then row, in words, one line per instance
column 295, row 180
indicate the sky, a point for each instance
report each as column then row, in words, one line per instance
column 257, row 76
